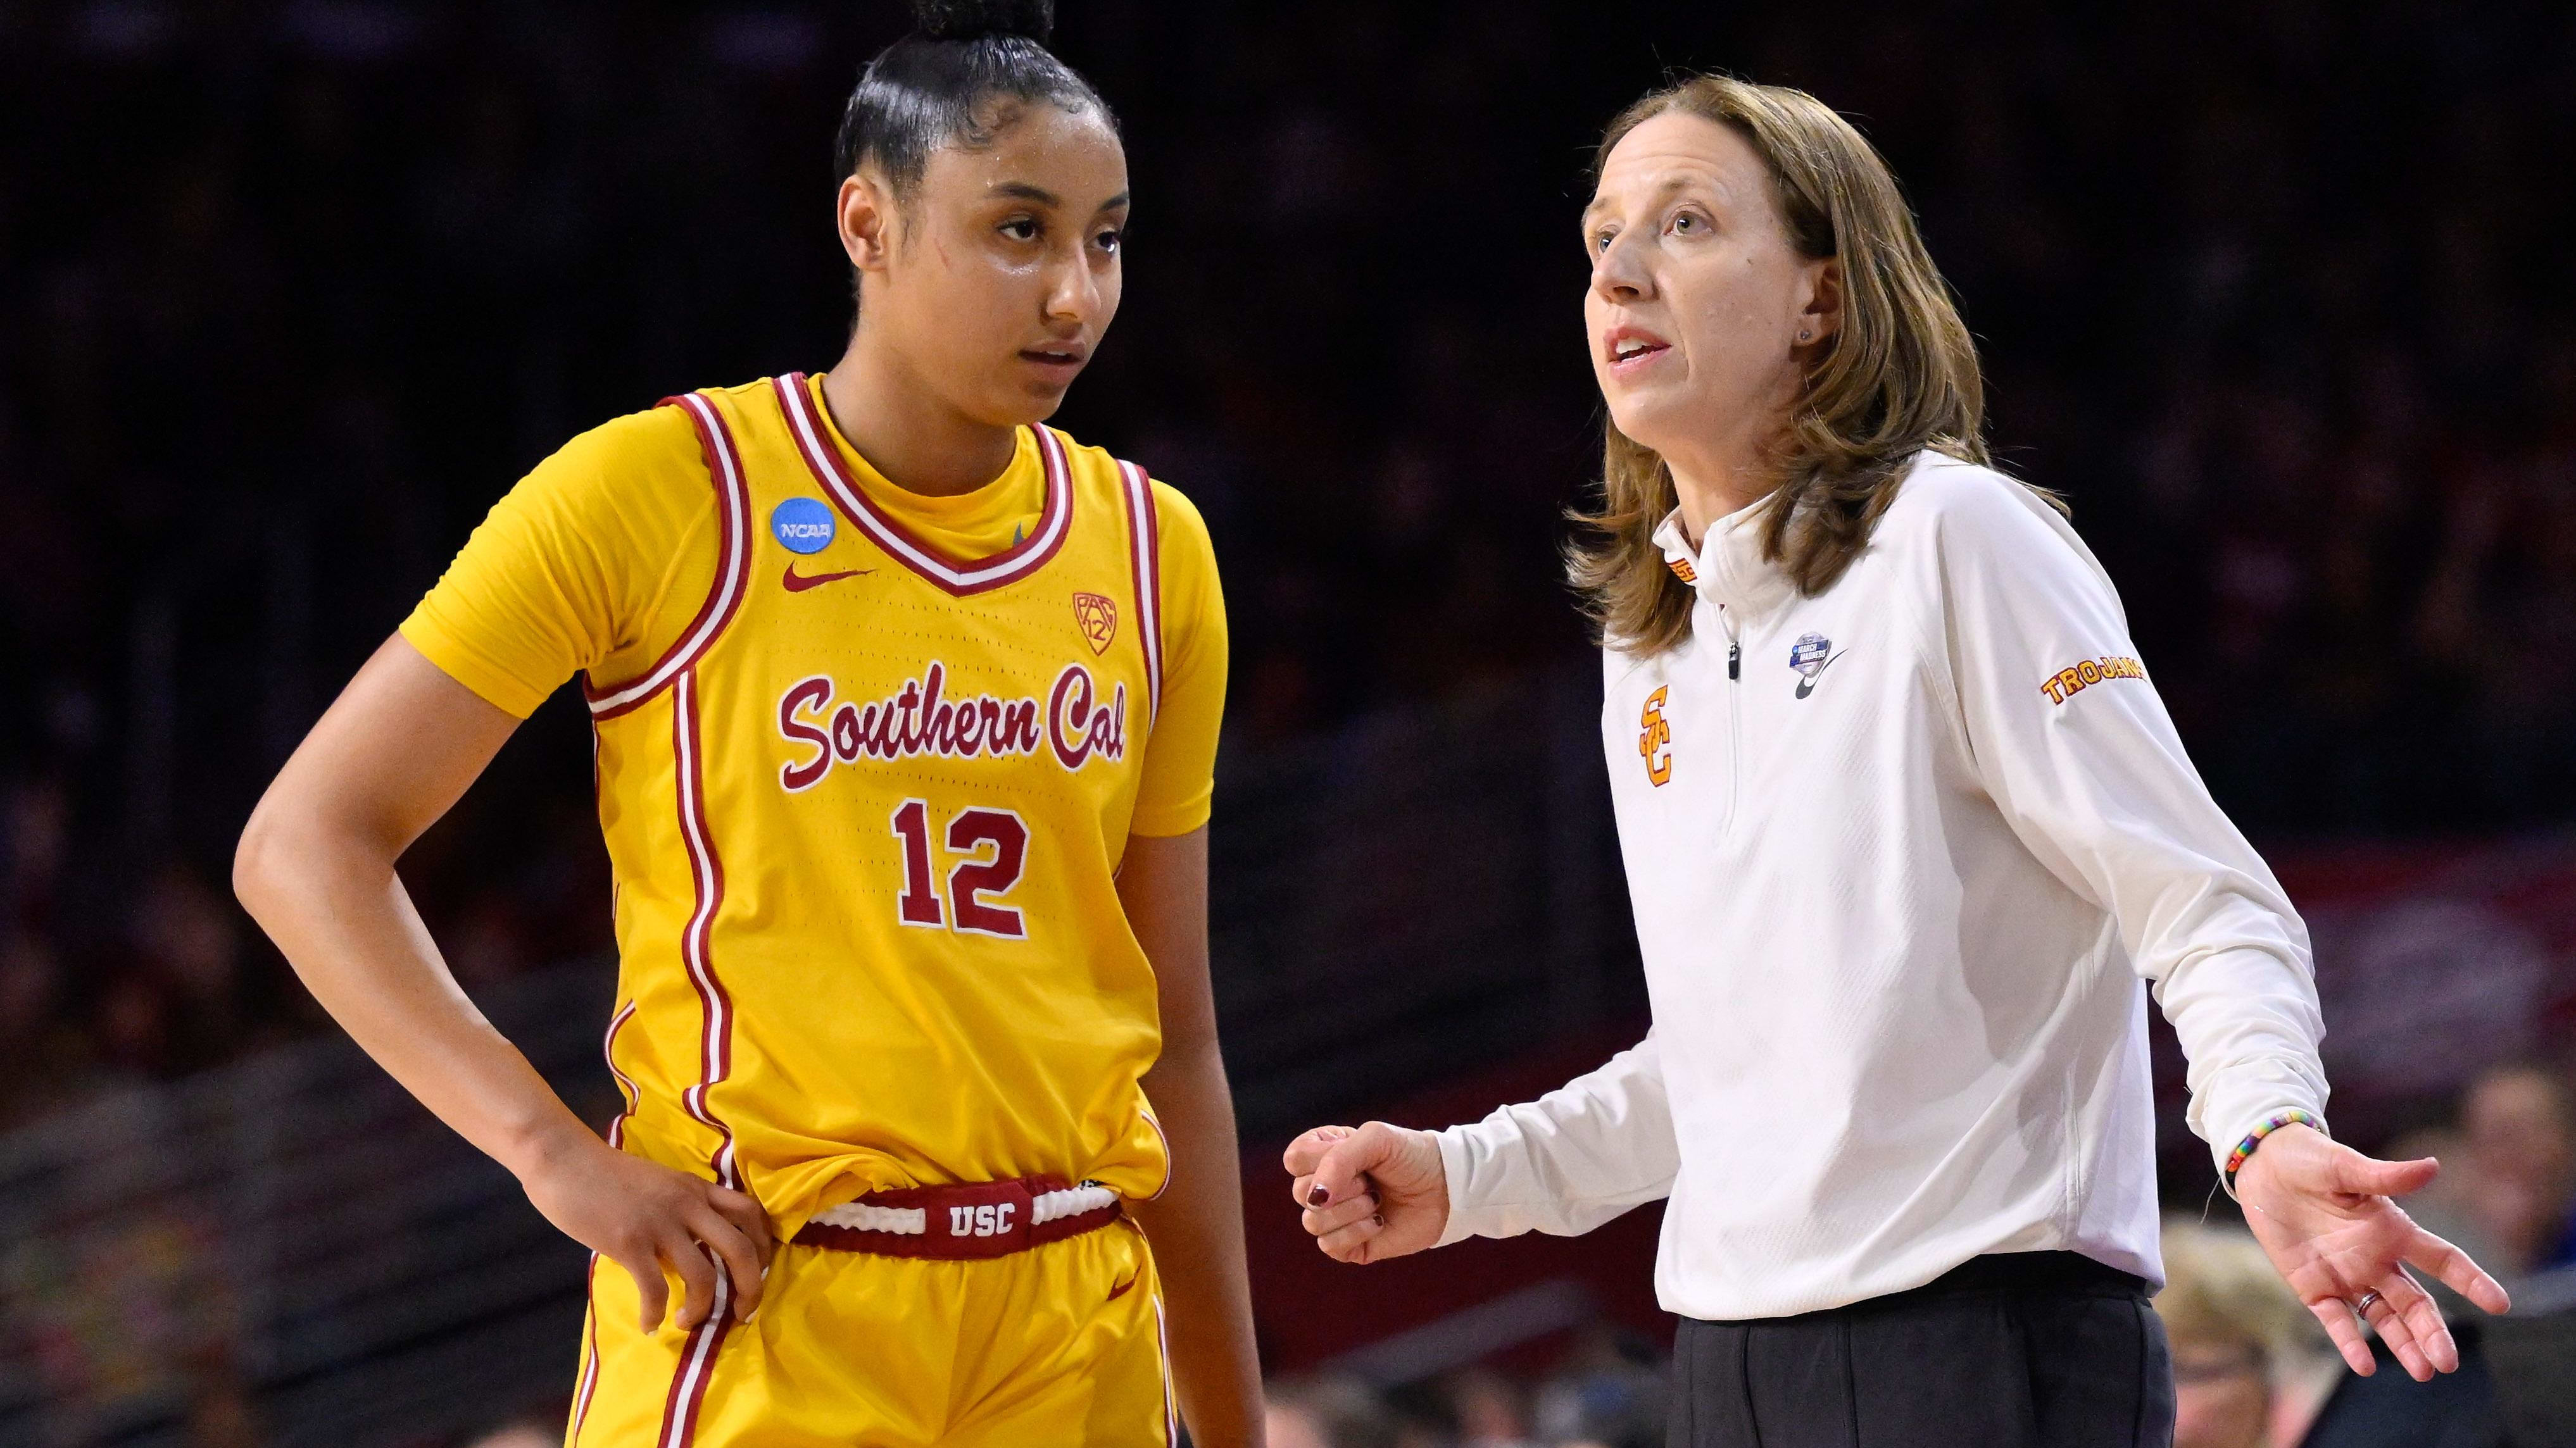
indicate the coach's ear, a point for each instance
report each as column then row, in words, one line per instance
column 867, row 219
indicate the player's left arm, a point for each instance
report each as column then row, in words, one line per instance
column 1196, row 1225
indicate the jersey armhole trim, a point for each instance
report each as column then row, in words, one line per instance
column 628, row 1095
column 1145, row 558
column 733, row 565
column 1163, row 1137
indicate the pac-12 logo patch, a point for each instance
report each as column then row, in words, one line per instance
column 803, row 525
column 1098, row 617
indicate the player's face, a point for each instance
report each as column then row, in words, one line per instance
column 1697, row 294
column 1005, row 269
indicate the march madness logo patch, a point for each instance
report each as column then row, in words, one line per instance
column 1810, row 656
column 1098, row 618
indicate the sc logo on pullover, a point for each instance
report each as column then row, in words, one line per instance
column 1655, row 738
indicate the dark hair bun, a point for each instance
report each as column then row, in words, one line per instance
column 975, row 19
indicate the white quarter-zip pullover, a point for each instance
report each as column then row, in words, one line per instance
column 1904, row 857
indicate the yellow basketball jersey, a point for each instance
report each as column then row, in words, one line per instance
column 865, row 818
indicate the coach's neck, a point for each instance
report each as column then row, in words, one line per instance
column 1728, row 461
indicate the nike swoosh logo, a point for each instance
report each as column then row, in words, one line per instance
column 799, row 582
column 1808, row 686
column 1121, row 1289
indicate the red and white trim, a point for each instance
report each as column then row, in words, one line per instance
column 733, row 565
column 696, row 1369
column 1171, row 1402
column 1166, row 1140
column 1145, row 553
column 589, row 1353
column 706, row 871
column 958, row 576
column 628, row 1096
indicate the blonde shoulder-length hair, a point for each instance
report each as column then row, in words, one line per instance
column 1899, row 376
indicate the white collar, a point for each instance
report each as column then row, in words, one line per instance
column 1728, row 569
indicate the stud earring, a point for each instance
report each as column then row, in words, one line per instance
column 1806, row 336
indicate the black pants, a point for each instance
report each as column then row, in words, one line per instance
column 2016, row 1350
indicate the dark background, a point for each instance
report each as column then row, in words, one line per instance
column 289, row 294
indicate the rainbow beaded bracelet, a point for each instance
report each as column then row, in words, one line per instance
column 2254, row 1138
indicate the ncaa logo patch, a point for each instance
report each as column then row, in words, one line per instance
column 1098, row 618
column 802, row 525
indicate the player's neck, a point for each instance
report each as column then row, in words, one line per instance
column 910, row 437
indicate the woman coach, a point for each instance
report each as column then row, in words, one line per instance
column 1909, row 839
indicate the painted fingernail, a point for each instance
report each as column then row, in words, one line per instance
column 1316, row 1196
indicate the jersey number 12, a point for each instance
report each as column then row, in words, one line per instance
column 971, row 879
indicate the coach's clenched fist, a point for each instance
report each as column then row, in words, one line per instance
column 1370, row 1194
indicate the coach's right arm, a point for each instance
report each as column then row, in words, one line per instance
column 1563, row 1164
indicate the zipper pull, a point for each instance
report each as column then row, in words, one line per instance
column 1734, row 659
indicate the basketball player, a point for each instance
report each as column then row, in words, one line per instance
column 906, row 707
column 1908, row 837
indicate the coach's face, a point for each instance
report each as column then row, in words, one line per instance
column 1698, row 298
column 997, row 277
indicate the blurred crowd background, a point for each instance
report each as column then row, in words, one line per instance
column 290, row 293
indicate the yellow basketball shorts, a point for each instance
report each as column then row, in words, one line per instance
column 1059, row 1344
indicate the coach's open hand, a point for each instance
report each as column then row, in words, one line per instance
column 644, row 1216
column 1370, row 1194
column 2322, row 1211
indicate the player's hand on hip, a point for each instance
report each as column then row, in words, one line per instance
column 2323, row 1214
column 644, row 1216
column 1369, row 1194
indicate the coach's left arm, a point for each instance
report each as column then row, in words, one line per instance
column 2078, row 753
column 1196, row 1225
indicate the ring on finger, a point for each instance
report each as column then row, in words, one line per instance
column 2365, row 1302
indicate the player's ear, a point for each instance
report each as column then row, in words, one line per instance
column 867, row 220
